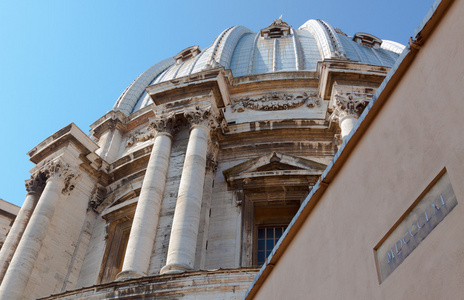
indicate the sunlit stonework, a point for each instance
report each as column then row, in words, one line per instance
column 168, row 195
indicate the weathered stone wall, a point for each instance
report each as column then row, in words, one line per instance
column 8, row 212
column 219, row 284
column 63, row 250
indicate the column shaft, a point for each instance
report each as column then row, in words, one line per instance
column 16, row 232
column 144, row 226
column 182, row 244
column 346, row 124
column 21, row 266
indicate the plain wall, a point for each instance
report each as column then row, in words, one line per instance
column 417, row 133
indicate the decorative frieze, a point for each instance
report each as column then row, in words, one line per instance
column 276, row 101
column 139, row 136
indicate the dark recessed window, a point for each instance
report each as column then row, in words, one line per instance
column 267, row 239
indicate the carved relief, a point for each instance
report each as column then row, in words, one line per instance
column 276, row 101
column 211, row 156
column 61, row 170
column 202, row 117
column 36, row 183
column 98, row 195
column 350, row 104
column 140, row 136
column 167, row 124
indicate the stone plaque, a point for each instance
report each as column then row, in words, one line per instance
column 415, row 225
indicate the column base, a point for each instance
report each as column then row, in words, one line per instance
column 175, row 269
column 129, row 274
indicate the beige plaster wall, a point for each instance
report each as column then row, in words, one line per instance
column 417, row 133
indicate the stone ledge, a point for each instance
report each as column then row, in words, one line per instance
column 170, row 286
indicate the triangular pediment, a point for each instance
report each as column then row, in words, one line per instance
column 274, row 164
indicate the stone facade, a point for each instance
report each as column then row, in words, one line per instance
column 170, row 193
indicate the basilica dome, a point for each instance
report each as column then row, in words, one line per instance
column 276, row 48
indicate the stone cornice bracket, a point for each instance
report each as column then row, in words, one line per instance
column 35, row 184
column 349, row 104
column 57, row 169
column 98, row 195
column 202, row 117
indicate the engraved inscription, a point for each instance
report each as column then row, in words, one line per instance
column 422, row 218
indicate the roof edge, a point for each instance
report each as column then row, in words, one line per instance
column 421, row 34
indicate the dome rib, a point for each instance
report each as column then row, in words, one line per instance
column 321, row 36
column 226, row 48
column 297, row 50
column 245, row 52
column 338, row 47
column 192, row 66
column 252, row 55
column 128, row 99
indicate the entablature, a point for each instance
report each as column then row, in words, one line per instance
column 212, row 82
column 354, row 73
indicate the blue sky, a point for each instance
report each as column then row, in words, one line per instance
column 68, row 61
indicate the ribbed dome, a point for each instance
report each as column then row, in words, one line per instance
column 275, row 48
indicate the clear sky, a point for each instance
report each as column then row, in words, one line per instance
column 68, row 61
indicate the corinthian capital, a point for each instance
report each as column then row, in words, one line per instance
column 202, row 117
column 57, row 169
column 349, row 104
column 35, row 184
column 165, row 124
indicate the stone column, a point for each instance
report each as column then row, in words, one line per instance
column 21, row 266
column 144, row 227
column 203, row 230
column 34, row 187
column 347, row 109
column 184, row 232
